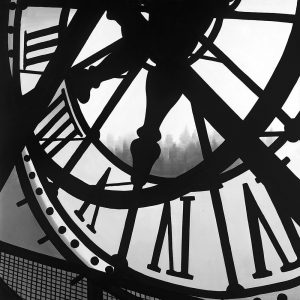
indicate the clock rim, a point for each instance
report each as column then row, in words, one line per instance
column 137, row 276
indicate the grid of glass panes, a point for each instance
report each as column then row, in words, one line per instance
column 142, row 296
column 32, row 280
column 108, row 296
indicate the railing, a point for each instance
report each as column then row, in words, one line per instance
column 31, row 275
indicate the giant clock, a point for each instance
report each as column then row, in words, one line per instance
column 192, row 215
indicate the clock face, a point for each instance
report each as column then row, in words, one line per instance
column 167, row 154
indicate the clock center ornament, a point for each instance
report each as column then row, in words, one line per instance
column 144, row 231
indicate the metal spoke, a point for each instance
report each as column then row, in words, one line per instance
column 62, row 139
column 271, row 171
column 115, row 98
column 63, row 143
column 98, row 55
column 118, row 184
column 211, row 58
column 231, row 66
column 64, row 3
column 258, row 16
column 272, row 133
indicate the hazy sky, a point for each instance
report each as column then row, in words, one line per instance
column 256, row 48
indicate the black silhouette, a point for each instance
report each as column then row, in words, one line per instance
column 168, row 39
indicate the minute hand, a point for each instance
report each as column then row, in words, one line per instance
column 281, row 183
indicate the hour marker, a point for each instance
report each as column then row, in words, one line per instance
column 27, row 158
column 62, row 229
column 12, row 5
column 10, row 29
column 74, row 244
column 30, row 47
column 286, row 160
column 43, row 240
column 49, row 211
column 31, row 175
column 256, row 217
column 165, row 231
column 94, row 261
column 22, row 202
column 39, row 191
column 81, row 211
column 58, row 120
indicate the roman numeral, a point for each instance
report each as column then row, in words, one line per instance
column 55, row 126
column 166, row 227
column 30, row 46
column 127, row 234
column 233, row 283
column 255, row 216
column 81, row 211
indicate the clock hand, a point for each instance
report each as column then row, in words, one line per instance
column 262, row 162
column 273, row 98
column 274, row 95
column 162, row 95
